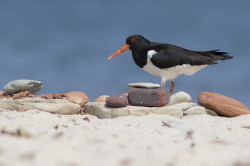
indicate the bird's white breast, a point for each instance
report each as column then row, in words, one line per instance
column 172, row 72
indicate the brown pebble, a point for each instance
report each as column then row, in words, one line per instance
column 57, row 96
column 2, row 94
column 117, row 101
column 102, row 98
column 222, row 105
column 47, row 96
column 86, row 119
column 77, row 97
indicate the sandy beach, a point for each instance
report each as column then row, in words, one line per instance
column 39, row 138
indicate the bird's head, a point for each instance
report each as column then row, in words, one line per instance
column 133, row 42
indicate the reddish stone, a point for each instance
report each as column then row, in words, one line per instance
column 47, row 96
column 86, row 119
column 102, row 98
column 77, row 97
column 222, row 105
column 2, row 95
column 21, row 94
column 58, row 96
column 117, row 101
column 148, row 97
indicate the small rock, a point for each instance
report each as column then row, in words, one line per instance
column 47, row 96
column 22, row 85
column 86, row 119
column 180, row 97
column 102, row 98
column 148, row 97
column 21, row 94
column 185, row 105
column 210, row 112
column 195, row 110
column 2, row 94
column 77, row 97
column 100, row 110
column 117, row 101
column 144, row 85
column 58, row 96
column 222, row 105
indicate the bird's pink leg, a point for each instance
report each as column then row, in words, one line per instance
column 172, row 87
column 163, row 82
column 163, row 85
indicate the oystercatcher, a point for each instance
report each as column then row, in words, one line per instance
column 168, row 61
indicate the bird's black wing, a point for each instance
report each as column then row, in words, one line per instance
column 169, row 55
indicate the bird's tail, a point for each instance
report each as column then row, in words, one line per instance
column 216, row 55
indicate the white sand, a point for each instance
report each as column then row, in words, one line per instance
column 123, row 141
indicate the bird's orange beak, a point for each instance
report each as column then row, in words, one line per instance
column 124, row 48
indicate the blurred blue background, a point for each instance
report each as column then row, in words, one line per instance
column 65, row 44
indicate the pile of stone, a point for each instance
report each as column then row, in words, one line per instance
column 20, row 95
column 145, row 98
column 180, row 104
column 142, row 99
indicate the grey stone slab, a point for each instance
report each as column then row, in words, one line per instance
column 101, row 110
column 59, row 106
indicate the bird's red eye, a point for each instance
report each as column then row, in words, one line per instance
column 133, row 40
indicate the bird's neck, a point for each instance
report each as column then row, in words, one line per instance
column 140, row 57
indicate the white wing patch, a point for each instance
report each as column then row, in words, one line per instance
column 151, row 53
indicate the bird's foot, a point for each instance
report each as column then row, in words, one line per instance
column 172, row 87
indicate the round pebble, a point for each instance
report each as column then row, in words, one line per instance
column 117, row 101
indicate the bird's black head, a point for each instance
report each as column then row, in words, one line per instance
column 136, row 41
column 133, row 43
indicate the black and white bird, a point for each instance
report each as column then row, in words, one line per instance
column 168, row 61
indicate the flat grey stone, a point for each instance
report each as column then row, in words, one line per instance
column 58, row 106
column 179, row 97
column 102, row 111
column 144, row 85
column 195, row 110
column 184, row 105
column 22, row 85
